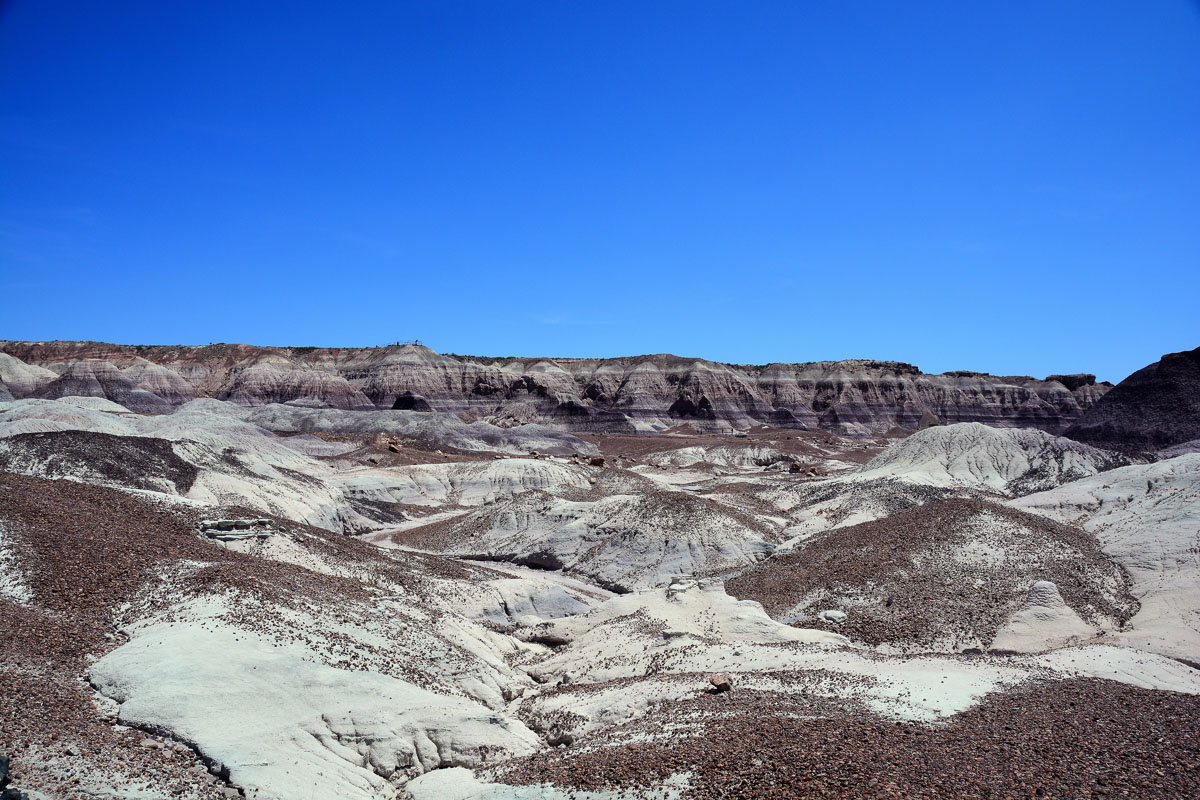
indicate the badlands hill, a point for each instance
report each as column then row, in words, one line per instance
column 1154, row 408
column 370, row 593
column 644, row 393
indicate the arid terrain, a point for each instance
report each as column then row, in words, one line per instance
column 616, row 395
column 290, row 573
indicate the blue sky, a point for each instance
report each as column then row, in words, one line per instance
column 1010, row 187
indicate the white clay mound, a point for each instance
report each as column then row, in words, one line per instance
column 725, row 456
column 1044, row 622
column 469, row 483
column 1146, row 518
column 276, row 721
column 239, row 463
column 969, row 455
column 623, row 541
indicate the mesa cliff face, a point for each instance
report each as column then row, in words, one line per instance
column 642, row 393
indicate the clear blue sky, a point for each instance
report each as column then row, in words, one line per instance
column 1011, row 187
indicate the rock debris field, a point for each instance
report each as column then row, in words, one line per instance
column 231, row 582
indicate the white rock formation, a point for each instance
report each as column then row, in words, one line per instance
column 1121, row 664
column 239, row 463
column 1147, row 519
column 624, row 540
column 664, row 639
column 445, row 429
column 13, row 585
column 521, row 601
column 696, row 608
column 1008, row 461
column 1044, row 622
column 470, row 483
column 458, row 783
column 279, row 724
column 66, row 414
column 967, row 458
column 723, row 455
column 21, row 379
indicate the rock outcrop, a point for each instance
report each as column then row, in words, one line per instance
column 96, row 378
column 155, row 378
column 974, row 456
column 18, row 379
column 281, row 381
column 1154, row 408
column 642, row 393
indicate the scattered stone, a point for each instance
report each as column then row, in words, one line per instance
column 721, row 682
column 558, row 737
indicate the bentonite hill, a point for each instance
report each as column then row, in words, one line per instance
column 387, row 573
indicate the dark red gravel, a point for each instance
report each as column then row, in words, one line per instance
column 1082, row 738
column 914, row 557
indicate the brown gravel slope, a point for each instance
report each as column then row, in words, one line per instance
column 137, row 462
column 950, row 568
column 84, row 551
column 1083, row 738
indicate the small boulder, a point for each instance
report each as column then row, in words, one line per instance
column 680, row 585
column 721, row 683
column 833, row 616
